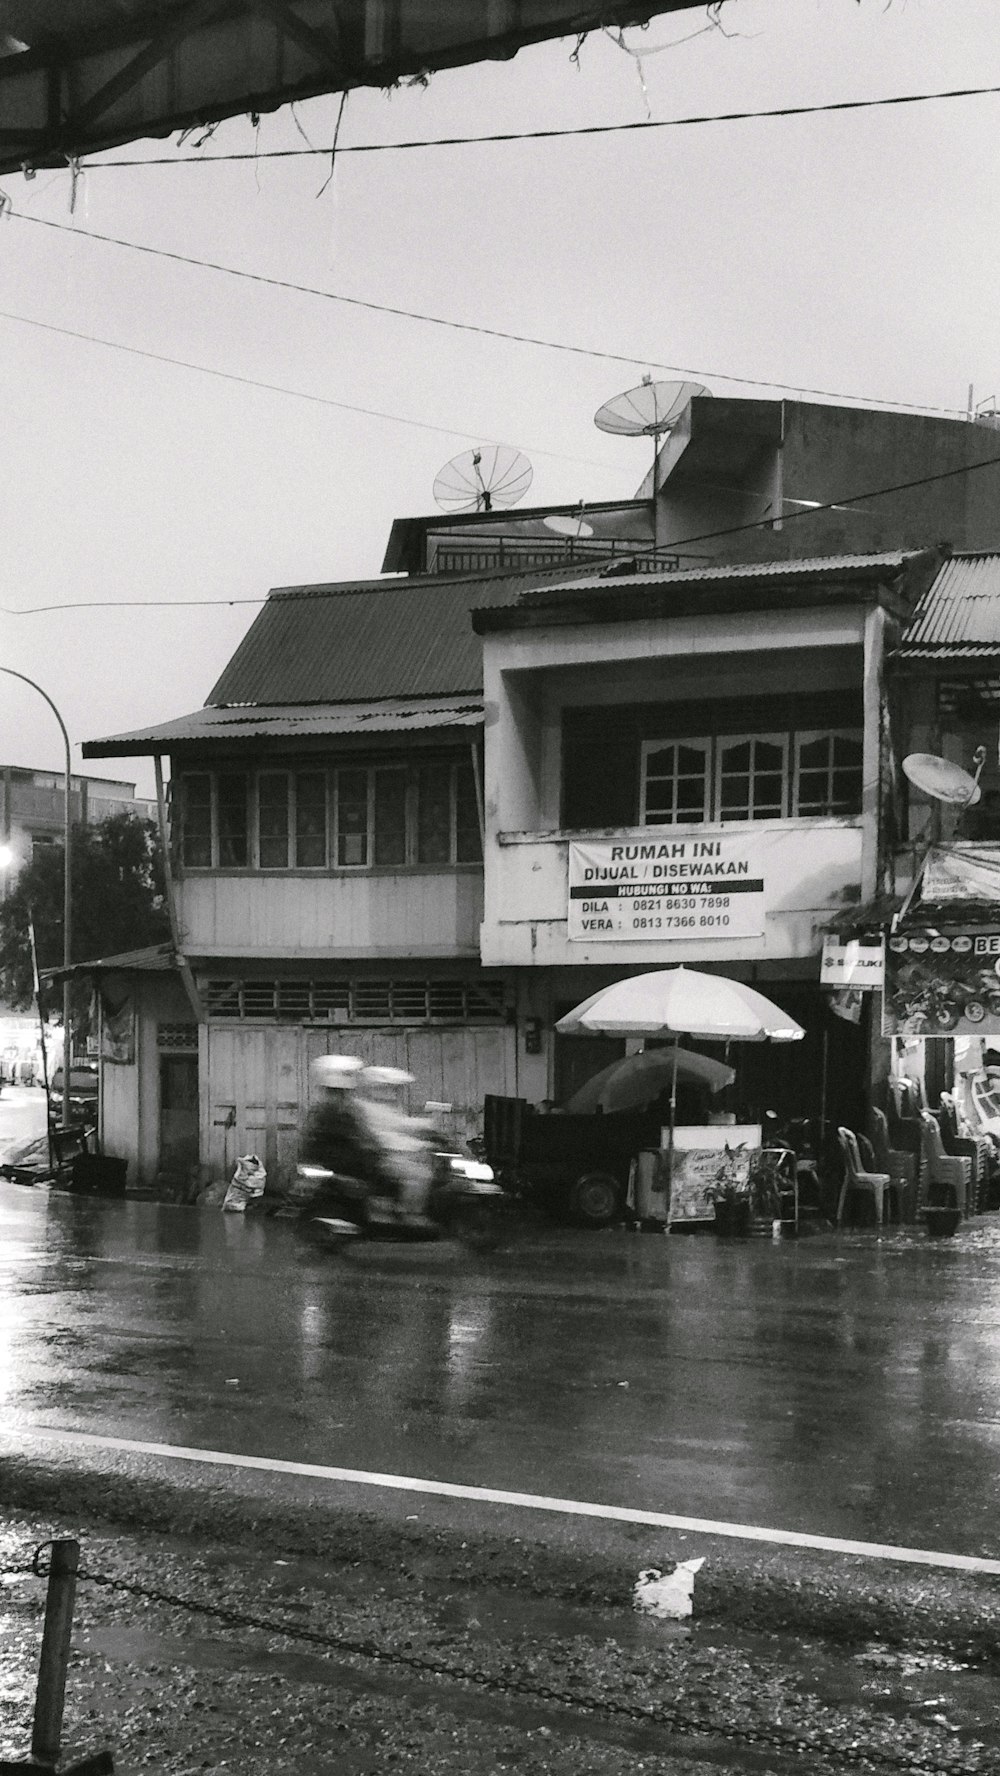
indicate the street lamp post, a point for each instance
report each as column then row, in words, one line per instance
column 67, row 887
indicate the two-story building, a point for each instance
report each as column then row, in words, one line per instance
column 326, row 848
column 689, row 769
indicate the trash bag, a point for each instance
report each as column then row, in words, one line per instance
column 668, row 1596
column 247, row 1184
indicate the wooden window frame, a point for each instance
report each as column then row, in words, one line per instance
column 407, row 770
column 648, row 746
column 725, row 741
column 808, row 737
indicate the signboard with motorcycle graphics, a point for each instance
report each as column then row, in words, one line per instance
column 942, row 983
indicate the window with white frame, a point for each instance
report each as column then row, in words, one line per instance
column 751, row 777
column 828, row 771
column 676, row 782
column 743, row 777
column 349, row 817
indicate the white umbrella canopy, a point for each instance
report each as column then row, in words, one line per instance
column 682, row 1002
column 638, row 1079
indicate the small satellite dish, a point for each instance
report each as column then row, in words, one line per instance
column 648, row 410
column 941, row 780
column 488, row 479
column 569, row 527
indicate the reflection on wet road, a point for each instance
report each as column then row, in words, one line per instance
column 839, row 1386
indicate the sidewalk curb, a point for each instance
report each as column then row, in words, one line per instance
column 834, row 1597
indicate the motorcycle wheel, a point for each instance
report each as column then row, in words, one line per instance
column 476, row 1224
column 975, row 1011
column 946, row 1018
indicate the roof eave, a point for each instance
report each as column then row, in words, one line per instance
column 735, row 598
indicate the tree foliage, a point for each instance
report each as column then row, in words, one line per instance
column 118, row 901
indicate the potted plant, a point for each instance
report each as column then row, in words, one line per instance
column 729, row 1194
column 768, row 1173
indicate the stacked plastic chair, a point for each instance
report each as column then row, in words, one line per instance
column 958, row 1138
column 906, row 1133
column 950, row 1173
column 856, row 1177
column 902, row 1166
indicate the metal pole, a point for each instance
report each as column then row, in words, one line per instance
column 36, row 982
column 477, row 779
column 67, row 886
column 46, row 1734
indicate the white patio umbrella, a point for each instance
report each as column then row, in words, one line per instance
column 639, row 1078
column 681, row 1002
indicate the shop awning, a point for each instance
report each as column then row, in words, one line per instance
column 78, row 78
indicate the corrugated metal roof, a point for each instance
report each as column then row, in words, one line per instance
column 157, row 959
column 959, row 614
column 821, row 567
column 369, row 639
column 280, row 721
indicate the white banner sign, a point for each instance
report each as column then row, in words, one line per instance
column 852, row 964
column 962, row 871
column 666, row 888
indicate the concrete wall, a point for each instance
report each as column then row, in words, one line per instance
column 731, row 463
column 810, row 869
column 841, row 454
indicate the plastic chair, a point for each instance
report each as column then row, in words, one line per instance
column 906, row 1134
column 903, row 1167
column 950, row 1172
column 874, row 1184
column 958, row 1138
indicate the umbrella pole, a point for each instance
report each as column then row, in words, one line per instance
column 673, row 1119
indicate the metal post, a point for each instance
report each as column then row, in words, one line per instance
column 67, row 886
column 46, row 1735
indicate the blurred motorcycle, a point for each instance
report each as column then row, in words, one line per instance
column 464, row 1203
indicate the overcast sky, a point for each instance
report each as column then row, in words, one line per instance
column 856, row 253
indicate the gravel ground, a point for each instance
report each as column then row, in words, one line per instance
column 791, row 1662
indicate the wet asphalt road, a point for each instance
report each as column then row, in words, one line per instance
column 838, row 1385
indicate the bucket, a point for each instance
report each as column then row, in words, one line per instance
column 97, row 1174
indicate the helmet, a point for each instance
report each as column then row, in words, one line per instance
column 336, row 1072
column 387, row 1076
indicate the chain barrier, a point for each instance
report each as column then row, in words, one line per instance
column 645, row 1715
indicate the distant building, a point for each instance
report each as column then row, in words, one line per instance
column 32, row 805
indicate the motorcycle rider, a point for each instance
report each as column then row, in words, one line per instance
column 345, row 1134
column 402, row 1139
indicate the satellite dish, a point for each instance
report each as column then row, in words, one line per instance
column 484, row 480
column 569, row 527
column 648, row 410
column 941, row 780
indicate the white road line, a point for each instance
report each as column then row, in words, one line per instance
column 525, row 1501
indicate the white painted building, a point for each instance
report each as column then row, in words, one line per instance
column 688, row 769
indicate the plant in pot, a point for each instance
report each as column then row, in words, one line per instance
column 729, row 1194
column 768, row 1176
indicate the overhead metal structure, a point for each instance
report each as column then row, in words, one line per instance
column 78, row 76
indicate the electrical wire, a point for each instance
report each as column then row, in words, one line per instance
column 548, row 135
column 674, row 547
column 277, row 388
column 409, row 314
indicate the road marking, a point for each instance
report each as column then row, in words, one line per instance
column 525, row 1501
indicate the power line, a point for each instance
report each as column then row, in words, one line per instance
column 277, row 388
column 409, row 314
column 988, row 462
column 548, row 135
